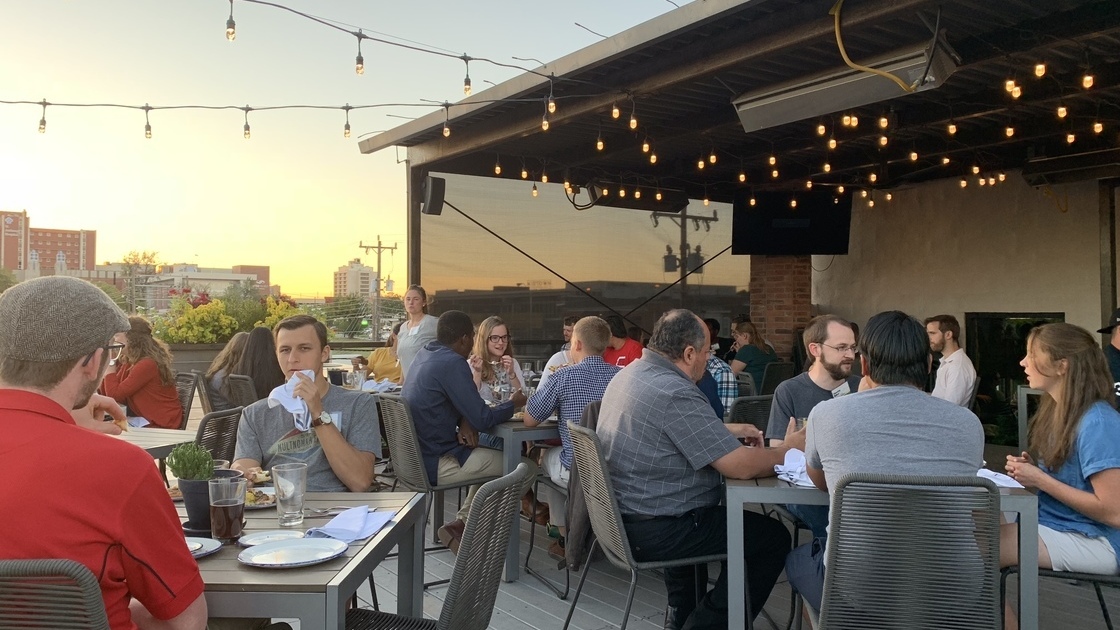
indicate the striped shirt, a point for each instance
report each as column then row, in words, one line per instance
column 726, row 383
column 567, row 393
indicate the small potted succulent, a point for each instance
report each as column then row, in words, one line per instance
column 193, row 466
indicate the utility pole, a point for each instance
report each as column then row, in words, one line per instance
column 680, row 263
column 379, row 248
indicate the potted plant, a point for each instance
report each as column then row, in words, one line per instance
column 193, row 466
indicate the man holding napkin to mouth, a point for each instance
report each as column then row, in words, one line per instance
column 333, row 430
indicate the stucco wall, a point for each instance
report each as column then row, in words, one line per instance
column 938, row 248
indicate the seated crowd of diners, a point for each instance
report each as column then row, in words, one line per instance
column 661, row 423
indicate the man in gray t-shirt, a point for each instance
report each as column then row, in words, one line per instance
column 895, row 427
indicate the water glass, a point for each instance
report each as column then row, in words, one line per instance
column 221, row 464
column 227, row 508
column 801, row 422
column 291, row 485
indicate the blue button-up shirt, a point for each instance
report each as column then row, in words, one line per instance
column 568, row 392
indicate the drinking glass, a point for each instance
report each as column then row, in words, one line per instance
column 291, row 484
column 221, row 464
column 227, row 508
column 801, row 422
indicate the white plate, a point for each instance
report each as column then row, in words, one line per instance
column 259, row 538
column 202, row 547
column 300, row 552
column 269, row 491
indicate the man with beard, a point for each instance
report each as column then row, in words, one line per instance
column 956, row 377
column 102, row 503
column 831, row 345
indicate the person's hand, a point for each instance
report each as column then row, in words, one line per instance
column 748, row 434
column 519, row 398
column 359, row 362
column 507, row 365
column 92, row 415
column 308, row 390
column 794, row 438
column 475, row 362
column 1022, row 469
column 468, row 436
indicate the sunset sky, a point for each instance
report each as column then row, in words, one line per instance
column 297, row 196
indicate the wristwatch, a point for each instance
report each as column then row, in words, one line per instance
column 324, row 418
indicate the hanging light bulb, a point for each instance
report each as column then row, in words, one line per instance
column 1009, row 131
column 707, row 202
column 883, row 141
column 712, row 157
column 360, row 61
column 846, row 120
column 1039, row 70
column 645, row 146
column 884, row 122
column 774, row 173
column 658, row 195
column 1062, row 111
column 524, row 173
column 446, row 130
column 1087, row 81
column 700, row 164
column 945, row 160
column 855, row 121
column 148, row 131
column 821, row 130
column 889, row 196
column 637, row 193
column 952, row 129
column 983, row 181
column 633, row 122
column 863, row 194
column 964, row 183
column 544, row 178
column 870, row 203
column 544, row 123
column 246, row 132
column 615, row 113
column 231, row 26
column 606, row 192
column 1070, row 138
column 773, row 160
column 827, row 167
column 793, row 203
column 832, row 143
column 753, row 201
column 1017, row 92
column 1002, row 177
column 567, row 183
column 497, row 168
column 1098, row 127
column 621, row 192
column 742, row 177
column 873, row 178
column 535, row 193
column 913, row 156
column 653, row 158
column 975, row 169
column 991, row 181
column 43, row 124
column 809, row 184
column 1009, row 85
column 467, row 85
column 551, row 105
column 599, row 146
column 840, row 189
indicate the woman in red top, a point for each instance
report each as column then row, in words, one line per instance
column 143, row 378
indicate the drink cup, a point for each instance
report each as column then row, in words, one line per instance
column 801, row 422
column 227, row 508
column 291, row 484
column 221, row 464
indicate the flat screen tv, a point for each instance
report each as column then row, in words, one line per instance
column 818, row 225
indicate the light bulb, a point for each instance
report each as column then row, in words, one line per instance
column 840, row 189
column 446, row 130
column 793, row 203
column 633, row 122
column 606, row 192
column 43, row 125
column 913, row 156
column 975, row 169
column 1039, row 70
column 847, row 120
column 621, row 192
column 1070, row 138
column 615, row 113
column 567, row 184
column 1002, row 177
column 952, row 129
column 712, row 158
column 873, row 178
column 1098, row 127
column 551, row 106
column 1087, row 81
column 246, row 134
column 346, row 130
column 467, row 86
column 883, row 122
column 863, row 194
column 991, row 181
column 1009, row 85
column 637, row 194
column 870, row 203
column 360, row 64
column 883, row 141
column 832, row 143
column 809, row 184
column 497, row 168
column 964, row 183
column 945, row 160
column 700, row 164
column 1062, row 111
column 544, row 123
column 774, row 173
column 827, row 167
column 773, row 160
column 535, row 190
column 657, row 196
column 599, row 144
column 742, row 177
column 707, row 202
column 148, row 131
column 1017, row 92
column 983, row 181
column 645, row 147
column 653, row 158
column 544, row 178
column 855, row 121
column 821, row 130
column 524, row 173
column 753, row 201
column 1010, row 131
column 889, row 196
column 231, row 29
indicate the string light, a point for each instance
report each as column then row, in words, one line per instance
column 1070, row 138
column 544, row 123
column 1009, row 131
column 658, row 195
column 524, row 173
column 633, row 122
column 1062, row 111
column 535, row 193
column 883, row 141
column 712, row 157
column 1017, row 92
column 884, row 122
column 832, row 143
column 621, row 192
column 964, row 183
column 855, row 122
column 359, row 61
column 653, row 158
column 231, row 26
column 1098, row 127
column 346, row 127
column 147, row 123
column 551, row 105
column 1039, row 70
column 774, row 173
column 742, row 176
column 889, row 196
column 1009, row 85
column 975, row 169
column 599, row 146
column 707, row 202
column 863, row 194
column 467, row 85
column 43, row 120
column 1087, row 81
column 1002, row 177
column 700, row 164
column 645, row 146
column 873, row 178
column 827, row 167
column 952, row 128
column 846, row 120
column 840, row 189
column 793, row 203
column 773, row 160
column 913, row 156
column 991, row 181
column 246, row 133
column 870, row 203
column 983, row 181
column 809, row 184
column 446, row 120
column 497, row 167
column 753, row 201
column 637, row 193
column 615, row 112
column 945, row 160
column 544, row 177
column 821, row 129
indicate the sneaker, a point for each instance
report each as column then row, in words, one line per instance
column 450, row 535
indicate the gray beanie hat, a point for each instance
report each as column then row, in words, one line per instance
column 55, row 318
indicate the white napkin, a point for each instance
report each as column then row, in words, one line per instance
column 793, row 469
column 283, row 396
column 999, row 479
column 357, row 523
column 382, row 386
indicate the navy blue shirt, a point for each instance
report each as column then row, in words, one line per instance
column 441, row 394
column 710, row 388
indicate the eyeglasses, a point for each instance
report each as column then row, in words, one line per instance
column 497, row 338
column 114, row 349
column 842, row 349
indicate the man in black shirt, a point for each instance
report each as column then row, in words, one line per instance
column 1112, row 351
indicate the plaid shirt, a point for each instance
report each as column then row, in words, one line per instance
column 726, row 383
column 660, row 437
column 569, row 391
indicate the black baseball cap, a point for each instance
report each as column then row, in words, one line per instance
column 1112, row 322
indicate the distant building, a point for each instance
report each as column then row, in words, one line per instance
column 354, row 278
column 31, row 251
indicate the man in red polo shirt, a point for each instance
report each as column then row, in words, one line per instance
column 71, row 492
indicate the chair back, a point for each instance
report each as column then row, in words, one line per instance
column 599, row 496
column 746, row 383
column 400, row 433
column 913, row 552
column 185, row 384
column 203, row 392
column 972, row 396
column 242, row 391
column 57, row 594
column 482, row 553
column 751, row 410
column 217, row 433
column 774, row 374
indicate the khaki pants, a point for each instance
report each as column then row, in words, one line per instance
column 482, row 463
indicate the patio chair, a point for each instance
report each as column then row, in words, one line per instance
column 606, row 520
column 217, row 433
column 408, row 464
column 774, row 374
column 913, row 552
column 1095, row 579
column 751, row 410
column 185, row 384
column 242, row 391
column 203, row 392
column 746, row 383
column 478, row 567
column 562, row 594
column 57, row 594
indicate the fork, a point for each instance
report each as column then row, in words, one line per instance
column 333, row 511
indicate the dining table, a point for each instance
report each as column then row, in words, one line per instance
column 157, row 442
column 317, row 595
column 515, row 433
column 741, row 492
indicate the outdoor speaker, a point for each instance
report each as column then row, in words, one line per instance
column 433, row 195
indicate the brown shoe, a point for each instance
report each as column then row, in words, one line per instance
column 450, row 535
column 556, row 550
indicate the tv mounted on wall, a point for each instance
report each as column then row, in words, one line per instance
column 818, row 224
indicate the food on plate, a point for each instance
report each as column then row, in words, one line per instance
column 175, row 492
column 259, row 476
column 256, row 497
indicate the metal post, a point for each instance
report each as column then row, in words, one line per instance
column 379, row 248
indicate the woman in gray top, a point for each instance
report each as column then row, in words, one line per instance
column 418, row 329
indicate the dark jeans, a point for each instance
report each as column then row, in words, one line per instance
column 815, row 517
column 702, row 532
column 805, row 572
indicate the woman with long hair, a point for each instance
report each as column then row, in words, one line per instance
column 259, row 362
column 383, row 362
column 492, row 358
column 222, row 366
column 143, row 379
column 751, row 352
column 418, row 330
column 1074, row 458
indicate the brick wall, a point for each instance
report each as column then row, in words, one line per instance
column 781, row 295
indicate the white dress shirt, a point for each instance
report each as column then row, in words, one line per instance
column 955, row 379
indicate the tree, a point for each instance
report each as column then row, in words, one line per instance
column 243, row 303
column 114, row 294
column 348, row 315
column 136, row 266
column 7, row 280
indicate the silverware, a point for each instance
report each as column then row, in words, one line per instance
column 332, row 511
